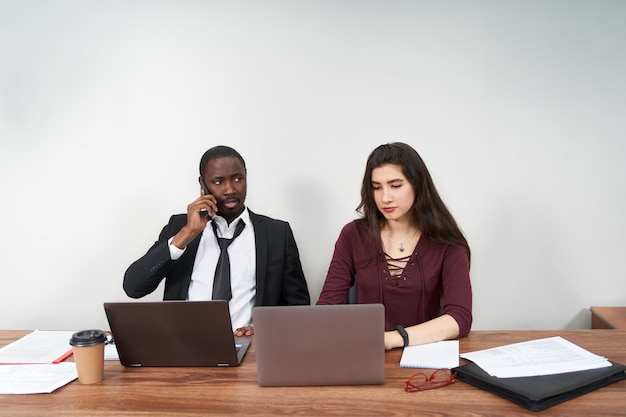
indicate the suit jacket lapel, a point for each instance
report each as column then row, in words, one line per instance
column 260, row 237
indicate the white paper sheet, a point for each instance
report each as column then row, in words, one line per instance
column 444, row 354
column 110, row 352
column 40, row 346
column 553, row 355
column 35, row 379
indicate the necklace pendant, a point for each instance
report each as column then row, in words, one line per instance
column 401, row 247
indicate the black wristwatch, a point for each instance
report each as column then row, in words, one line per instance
column 404, row 334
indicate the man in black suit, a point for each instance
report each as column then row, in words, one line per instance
column 264, row 264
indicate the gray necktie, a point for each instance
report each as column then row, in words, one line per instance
column 221, row 282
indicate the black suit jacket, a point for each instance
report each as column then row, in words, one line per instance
column 279, row 276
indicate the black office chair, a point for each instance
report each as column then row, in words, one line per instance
column 352, row 297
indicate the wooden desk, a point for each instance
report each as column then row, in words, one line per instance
column 234, row 391
column 608, row 318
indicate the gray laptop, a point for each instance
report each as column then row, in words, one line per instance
column 174, row 333
column 320, row 345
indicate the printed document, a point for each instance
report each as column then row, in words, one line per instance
column 38, row 347
column 35, row 379
column 553, row 355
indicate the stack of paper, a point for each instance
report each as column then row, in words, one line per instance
column 34, row 364
column 35, row 379
column 38, row 347
column 553, row 355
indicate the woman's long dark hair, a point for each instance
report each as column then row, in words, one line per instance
column 430, row 214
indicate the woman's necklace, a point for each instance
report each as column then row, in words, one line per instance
column 402, row 243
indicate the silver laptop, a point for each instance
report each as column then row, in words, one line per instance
column 320, row 345
column 174, row 333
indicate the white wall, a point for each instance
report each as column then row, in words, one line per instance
column 517, row 108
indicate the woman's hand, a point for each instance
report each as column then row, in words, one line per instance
column 393, row 340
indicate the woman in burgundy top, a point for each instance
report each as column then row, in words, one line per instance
column 406, row 252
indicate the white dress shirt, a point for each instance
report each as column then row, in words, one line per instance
column 242, row 255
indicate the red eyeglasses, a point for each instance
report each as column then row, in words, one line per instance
column 422, row 382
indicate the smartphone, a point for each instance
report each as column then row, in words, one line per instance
column 204, row 212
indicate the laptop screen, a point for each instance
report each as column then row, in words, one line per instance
column 174, row 333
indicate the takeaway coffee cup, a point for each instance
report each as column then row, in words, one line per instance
column 88, row 349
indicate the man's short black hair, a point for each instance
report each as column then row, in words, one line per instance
column 216, row 152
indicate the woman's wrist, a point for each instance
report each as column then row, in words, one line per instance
column 393, row 340
column 404, row 334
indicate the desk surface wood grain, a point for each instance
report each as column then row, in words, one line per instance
column 235, row 392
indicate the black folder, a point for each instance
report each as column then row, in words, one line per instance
column 537, row 393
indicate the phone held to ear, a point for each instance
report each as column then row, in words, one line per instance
column 204, row 212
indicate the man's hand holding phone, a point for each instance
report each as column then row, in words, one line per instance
column 208, row 206
column 199, row 212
